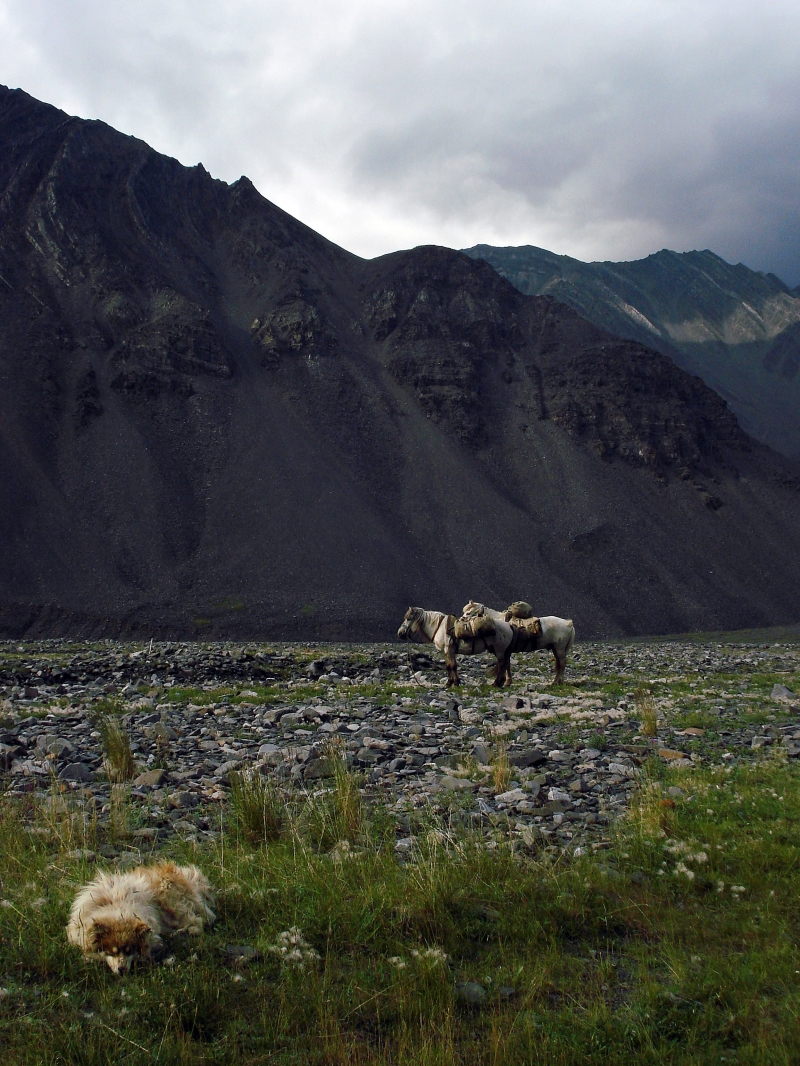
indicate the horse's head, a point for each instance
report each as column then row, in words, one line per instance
column 410, row 623
column 472, row 610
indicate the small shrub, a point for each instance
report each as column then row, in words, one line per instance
column 259, row 813
column 598, row 741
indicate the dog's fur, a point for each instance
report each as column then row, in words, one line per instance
column 120, row 917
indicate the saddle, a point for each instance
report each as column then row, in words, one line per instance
column 473, row 628
column 531, row 627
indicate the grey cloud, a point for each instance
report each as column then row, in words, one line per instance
column 605, row 131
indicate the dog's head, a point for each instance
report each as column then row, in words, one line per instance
column 121, row 942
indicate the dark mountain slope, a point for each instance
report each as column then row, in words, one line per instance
column 212, row 420
column 739, row 330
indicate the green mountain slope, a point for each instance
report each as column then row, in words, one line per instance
column 737, row 329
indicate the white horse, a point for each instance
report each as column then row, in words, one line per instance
column 557, row 634
column 454, row 636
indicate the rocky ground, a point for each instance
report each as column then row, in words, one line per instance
column 551, row 766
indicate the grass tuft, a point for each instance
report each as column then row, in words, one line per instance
column 501, row 767
column 335, row 814
column 646, row 709
column 118, row 760
column 258, row 812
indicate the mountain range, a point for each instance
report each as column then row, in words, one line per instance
column 738, row 329
column 215, row 422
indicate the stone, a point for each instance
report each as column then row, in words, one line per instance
column 781, row 692
column 619, row 768
column 557, row 795
column 471, row 993
column 317, row 768
column 8, row 753
column 457, row 784
column 532, row 836
column 151, row 779
column 242, row 953
column 670, row 754
column 514, row 795
column 480, row 754
column 129, row 858
column 77, row 771
column 516, row 703
column 527, row 759
column 227, row 767
column 183, row 800
column 53, row 745
column 163, row 732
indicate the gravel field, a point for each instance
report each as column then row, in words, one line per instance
column 552, row 766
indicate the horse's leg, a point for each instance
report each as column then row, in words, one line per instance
column 451, row 664
column 561, row 664
column 502, row 670
column 507, row 663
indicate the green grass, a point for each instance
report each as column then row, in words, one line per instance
column 677, row 944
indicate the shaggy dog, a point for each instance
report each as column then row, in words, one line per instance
column 121, row 917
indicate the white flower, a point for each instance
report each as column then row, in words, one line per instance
column 397, row 962
column 682, row 868
column 434, row 955
column 292, row 949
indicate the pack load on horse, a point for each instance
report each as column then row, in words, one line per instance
column 529, row 633
column 460, row 636
column 517, row 611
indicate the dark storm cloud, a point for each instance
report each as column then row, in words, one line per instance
column 605, row 131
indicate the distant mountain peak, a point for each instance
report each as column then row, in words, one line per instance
column 737, row 328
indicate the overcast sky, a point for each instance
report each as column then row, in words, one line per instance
column 602, row 129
